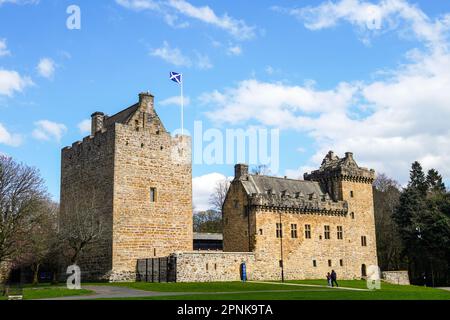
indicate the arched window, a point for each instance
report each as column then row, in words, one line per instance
column 363, row 271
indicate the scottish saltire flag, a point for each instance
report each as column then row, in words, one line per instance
column 176, row 77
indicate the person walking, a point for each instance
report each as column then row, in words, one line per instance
column 328, row 279
column 334, row 278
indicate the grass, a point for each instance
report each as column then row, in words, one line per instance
column 217, row 291
column 253, row 291
column 200, row 286
column 45, row 291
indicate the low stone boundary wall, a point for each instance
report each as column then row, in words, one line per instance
column 396, row 277
column 4, row 270
column 207, row 266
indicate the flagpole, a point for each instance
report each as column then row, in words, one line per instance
column 182, row 107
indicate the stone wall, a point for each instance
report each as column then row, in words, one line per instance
column 112, row 171
column 4, row 270
column 252, row 228
column 87, row 185
column 145, row 229
column 213, row 266
column 396, row 277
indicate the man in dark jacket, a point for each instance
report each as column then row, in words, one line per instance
column 333, row 278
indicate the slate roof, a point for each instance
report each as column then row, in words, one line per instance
column 121, row 117
column 259, row 184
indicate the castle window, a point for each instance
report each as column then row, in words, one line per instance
column 260, row 232
column 152, row 194
column 314, row 263
column 329, row 263
column 294, row 231
column 269, row 192
column 351, row 194
column 327, row 232
column 236, row 204
column 307, row 231
column 340, row 233
column 207, row 267
column 352, row 215
column 363, row 241
column 279, row 230
column 341, row 263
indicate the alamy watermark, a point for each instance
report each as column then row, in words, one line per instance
column 73, row 22
column 254, row 146
column 373, row 278
column 74, row 279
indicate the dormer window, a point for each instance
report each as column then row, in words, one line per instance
column 269, row 192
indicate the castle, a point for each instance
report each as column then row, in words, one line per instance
column 138, row 179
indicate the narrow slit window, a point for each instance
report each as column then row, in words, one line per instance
column 152, row 194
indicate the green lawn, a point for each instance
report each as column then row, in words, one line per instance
column 201, row 286
column 44, row 291
column 284, row 292
column 254, row 291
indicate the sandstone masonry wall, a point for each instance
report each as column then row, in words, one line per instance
column 213, row 266
column 396, row 277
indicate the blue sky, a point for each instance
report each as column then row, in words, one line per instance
column 364, row 76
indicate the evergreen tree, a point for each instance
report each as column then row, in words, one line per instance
column 434, row 182
column 417, row 179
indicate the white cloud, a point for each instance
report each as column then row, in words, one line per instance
column 237, row 28
column 170, row 8
column 275, row 104
column 234, row 50
column 203, row 62
column 388, row 123
column 19, row 1
column 85, row 126
column 171, row 55
column 9, row 139
column 203, row 187
column 138, row 4
column 3, row 48
column 47, row 130
column 46, row 68
column 175, row 100
column 12, row 81
column 370, row 18
column 177, row 58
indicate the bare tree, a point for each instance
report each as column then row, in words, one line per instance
column 80, row 225
column 389, row 246
column 22, row 192
column 41, row 244
column 261, row 169
column 217, row 198
column 208, row 221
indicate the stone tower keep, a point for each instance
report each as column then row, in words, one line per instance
column 344, row 180
column 137, row 179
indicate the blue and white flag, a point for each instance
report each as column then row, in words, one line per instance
column 176, row 77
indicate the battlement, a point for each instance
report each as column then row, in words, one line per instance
column 333, row 168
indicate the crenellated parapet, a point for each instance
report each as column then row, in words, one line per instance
column 335, row 169
column 303, row 204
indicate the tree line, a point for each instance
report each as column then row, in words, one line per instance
column 31, row 235
column 413, row 226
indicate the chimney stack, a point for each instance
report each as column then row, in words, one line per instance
column 146, row 102
column 240, row 170
column 97, row 120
